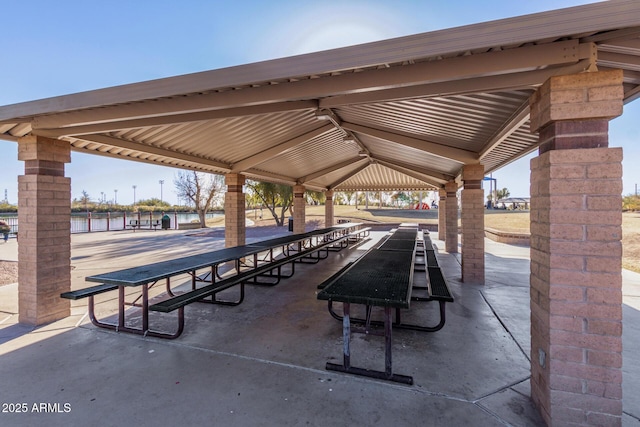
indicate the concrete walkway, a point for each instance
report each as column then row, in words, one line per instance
column 262, row 363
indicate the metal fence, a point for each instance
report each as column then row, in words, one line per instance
column 87, row 222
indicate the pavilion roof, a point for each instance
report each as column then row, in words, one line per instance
column 406, row 113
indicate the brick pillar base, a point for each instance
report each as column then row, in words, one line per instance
column 299, row 204
column 472, row 216
column 442, row 211
column 451, row 219
column 44, row 215
column 234, row 211
column 328, row 209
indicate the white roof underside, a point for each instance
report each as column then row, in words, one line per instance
column 419, row 107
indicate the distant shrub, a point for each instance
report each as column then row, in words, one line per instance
column 631, row 203
column 7, row 207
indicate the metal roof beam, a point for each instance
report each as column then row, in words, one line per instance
column 143, row 148
column 348, row 175
column 331, row 169
column 47, row 125
column 456, row 154
column 456, row 68
column 191, row 166
column 270, row 177
column 514, row 81
column 546, row 25
column 269, row 153
column 614, row 36
column 411, row 173
column 517, row 119
column 437, row 176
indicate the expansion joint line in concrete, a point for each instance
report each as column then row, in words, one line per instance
column 505, row 326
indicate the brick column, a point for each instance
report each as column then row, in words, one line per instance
column 451, row 219
column 442, row 211
column 472, row 216
column 576, row 283
column 328, row 208
column 44, row 215
column 299, row 204
column 234, row 211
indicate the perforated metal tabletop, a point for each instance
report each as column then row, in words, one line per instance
column 382, row 278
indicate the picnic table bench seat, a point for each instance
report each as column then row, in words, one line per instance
column 359, row 234
column 144, row 223
column 89, row 292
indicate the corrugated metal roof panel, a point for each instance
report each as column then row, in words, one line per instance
column 413, row 109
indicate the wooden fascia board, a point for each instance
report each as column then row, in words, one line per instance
column 456, row 154
column 269, row 153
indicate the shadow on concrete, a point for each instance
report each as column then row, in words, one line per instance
column 262, row 363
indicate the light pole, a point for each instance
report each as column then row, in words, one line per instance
column 134, row 196
column 161, row 182
column 115, row 197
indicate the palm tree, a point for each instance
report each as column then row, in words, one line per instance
column 502, row 194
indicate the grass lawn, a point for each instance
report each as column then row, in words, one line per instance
column 499, row 220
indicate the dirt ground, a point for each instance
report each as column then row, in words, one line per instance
column 8, row 272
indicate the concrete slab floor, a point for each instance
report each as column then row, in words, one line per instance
column 262, row 363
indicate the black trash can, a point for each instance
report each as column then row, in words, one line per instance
column 166, row 222
column 290, row 223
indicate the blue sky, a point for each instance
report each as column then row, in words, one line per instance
column 56, row 48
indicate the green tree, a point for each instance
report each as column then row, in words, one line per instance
column 315, row 197
column 400, row 197
column 274, row 197
column 502, row 194
column 348, row 195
